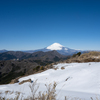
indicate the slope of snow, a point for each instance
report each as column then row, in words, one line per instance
column 81, row 80
column 55, row 46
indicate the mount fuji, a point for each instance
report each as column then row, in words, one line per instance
column 58, row 47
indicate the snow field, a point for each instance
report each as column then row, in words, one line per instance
column 77, row 80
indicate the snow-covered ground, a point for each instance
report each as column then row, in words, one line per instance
column 75, row 80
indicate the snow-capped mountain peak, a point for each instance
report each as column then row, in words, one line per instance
column 55, row 46
column 59, row 48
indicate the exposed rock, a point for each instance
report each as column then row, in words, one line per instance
column 29, row 80
column 14, row 80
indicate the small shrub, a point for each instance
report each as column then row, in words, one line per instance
column 37, row 68
column 41, row 68
column 79, row 53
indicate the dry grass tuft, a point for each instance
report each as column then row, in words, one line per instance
column 62, row 68
column 93, row 56
column 90, row 55
column 33, row 89
column 48, row 95
column 6, row 92
column 29, row 80
column 55, row 68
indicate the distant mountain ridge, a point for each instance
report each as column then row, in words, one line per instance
column 55, row 46
column 2, row 51
column 40, row 55
column 59, row 48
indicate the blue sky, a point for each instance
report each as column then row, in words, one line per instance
column 35, row 24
